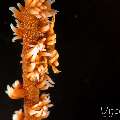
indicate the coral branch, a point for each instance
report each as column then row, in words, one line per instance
column 36, row 30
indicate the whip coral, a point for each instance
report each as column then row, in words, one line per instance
column 35, row 29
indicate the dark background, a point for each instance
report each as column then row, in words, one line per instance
column 88, row 41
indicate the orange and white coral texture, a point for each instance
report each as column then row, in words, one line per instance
column 35, row 29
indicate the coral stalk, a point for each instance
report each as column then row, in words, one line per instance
column 35, row 27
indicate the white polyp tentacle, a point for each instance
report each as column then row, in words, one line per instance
column 18, row 23
column 55, row 70
column 19, row 6
column 14, row 33
column 56, row 63
column 9, row 90
column 18, row 115
column 16, row 38
column 33, row 112
column 43, row 40
column 38, row 16
column 43, row 113
column 37, row 105
column 47, row 85
column 16, row 84
column 51, row 1
column 49, row 79
column 41, row 46
column 13, row 9
column 13, row 27
column 33, row 3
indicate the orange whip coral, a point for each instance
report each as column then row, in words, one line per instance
column 35, row 27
